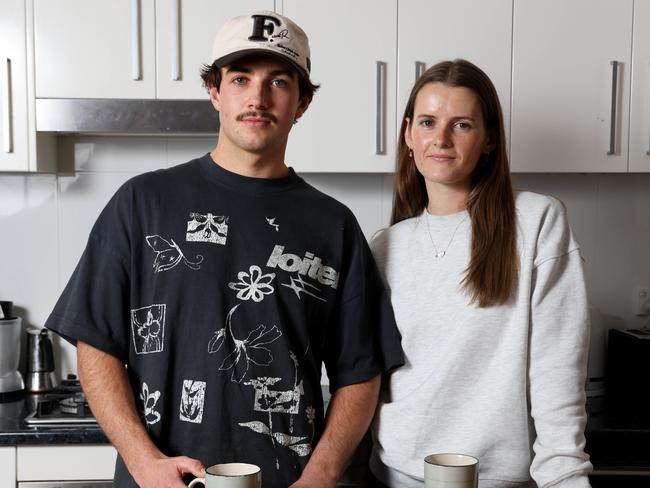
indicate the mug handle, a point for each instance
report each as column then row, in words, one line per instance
column 196, row 480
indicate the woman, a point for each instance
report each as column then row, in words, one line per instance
column 488, row 292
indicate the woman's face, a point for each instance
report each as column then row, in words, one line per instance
column 447, row 135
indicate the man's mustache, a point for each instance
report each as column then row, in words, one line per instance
column 257, row 114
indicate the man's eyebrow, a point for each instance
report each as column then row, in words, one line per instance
column 237, row 69
column 243, row 69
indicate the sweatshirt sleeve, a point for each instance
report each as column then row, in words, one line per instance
column 559, row 343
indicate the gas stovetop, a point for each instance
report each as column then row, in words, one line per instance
column 63, row 406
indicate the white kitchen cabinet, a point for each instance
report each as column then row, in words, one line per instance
column 65, row 462
column 639, row 150
column 94, row 49
column 436, row 30
column 13, row 86
column 20, row 148
column 563, row 113
column 7, row 466
column 184, row 35
column 129, row 49
column 56, row 463
column 350, row 125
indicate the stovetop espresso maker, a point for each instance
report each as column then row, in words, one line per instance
column 39, row 374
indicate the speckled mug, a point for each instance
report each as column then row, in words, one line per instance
column 231, row 475
column 450, row 471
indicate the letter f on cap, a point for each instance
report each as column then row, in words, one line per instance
column 260, row 25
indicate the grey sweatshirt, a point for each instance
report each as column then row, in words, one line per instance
column 504, row 383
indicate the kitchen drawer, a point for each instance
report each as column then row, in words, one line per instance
column 78, row 462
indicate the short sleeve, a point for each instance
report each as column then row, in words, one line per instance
column 94, row 305
column 364, row 340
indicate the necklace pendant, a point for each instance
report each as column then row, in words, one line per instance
column 440, row 254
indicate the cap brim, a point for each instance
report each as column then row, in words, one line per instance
column 229, row 59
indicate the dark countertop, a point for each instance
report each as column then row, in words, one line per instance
column 14, row 431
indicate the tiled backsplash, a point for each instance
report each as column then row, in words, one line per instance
column 45, row 220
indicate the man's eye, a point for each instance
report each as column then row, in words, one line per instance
column 280, row 83
column 238, row 80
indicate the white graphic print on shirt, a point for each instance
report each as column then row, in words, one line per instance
column 207, row 228
column 168, row 254
column 283, row 403
column 298, row 285
column 240, row 353
column 192, row 400
column 149, row 400
column 253, row 284
column 273, row 224
column 148, row 328
column 311, row 266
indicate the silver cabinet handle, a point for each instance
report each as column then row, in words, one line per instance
column 176, row 40
column 380, row 137
column 612, row 123
column 135, row 40
column 7, row 140
column 420, row 67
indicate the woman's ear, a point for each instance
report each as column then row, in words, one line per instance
column 491, row 143
column 407, row 133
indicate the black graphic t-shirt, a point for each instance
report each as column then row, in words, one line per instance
column 224, row 295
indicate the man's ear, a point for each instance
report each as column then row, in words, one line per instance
column 215, row 98
column 303, row 104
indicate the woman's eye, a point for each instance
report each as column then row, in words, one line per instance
column 426, row 123
column 463, row 125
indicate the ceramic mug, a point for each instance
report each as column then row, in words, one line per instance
column 231, row 475
column 450, row 471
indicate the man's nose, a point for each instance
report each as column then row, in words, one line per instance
column 259, row 96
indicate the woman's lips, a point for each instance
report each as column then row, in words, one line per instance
column 441, row 157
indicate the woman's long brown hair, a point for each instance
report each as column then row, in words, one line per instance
column 492, row 272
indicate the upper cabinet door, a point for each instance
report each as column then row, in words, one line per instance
column 13, row 87
column 94, row 49
column 570, row 87
column 350, row 125
column 437, row 30
column 184, row 35
column 640, row 101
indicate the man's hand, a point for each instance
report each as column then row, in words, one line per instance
column 166, row 472
column 106, row 385
column 348, row 417
column 308, row 481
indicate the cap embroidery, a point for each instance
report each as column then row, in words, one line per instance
column 260, row 26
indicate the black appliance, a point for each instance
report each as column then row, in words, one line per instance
column 627, row 391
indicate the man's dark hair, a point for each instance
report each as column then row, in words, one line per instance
column 211, row 76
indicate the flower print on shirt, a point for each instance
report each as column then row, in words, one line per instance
column 242, row 352
column 253, row 285
column 148, row 328
column 192, row 401
column 149, row 400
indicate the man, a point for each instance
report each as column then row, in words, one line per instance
column 223, row 284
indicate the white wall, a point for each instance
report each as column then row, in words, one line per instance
column 45, row 220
